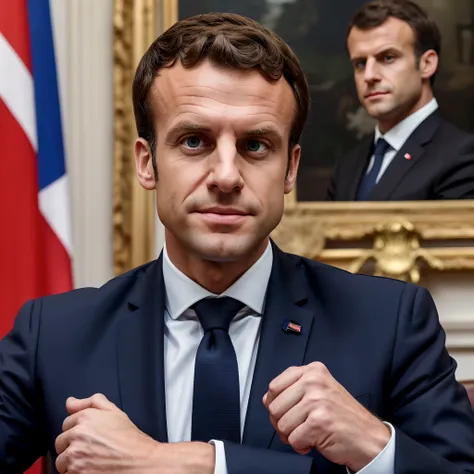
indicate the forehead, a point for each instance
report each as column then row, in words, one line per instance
column 217, row 93
column 393, row 33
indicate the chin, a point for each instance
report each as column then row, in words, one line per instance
column 224, row 247
column 381, row 112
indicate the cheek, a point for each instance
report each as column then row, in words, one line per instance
column 177, row 177
column 404, row 76
column 407, row 88
column 165, row 203
column 172, row 188
column 270, row 192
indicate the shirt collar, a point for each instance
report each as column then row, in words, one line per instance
column 399, row 134
column 250, row 288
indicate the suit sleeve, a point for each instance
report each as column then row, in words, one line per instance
column 429, row 408
column 243, row 459
column 22, row 439
column 457, row 182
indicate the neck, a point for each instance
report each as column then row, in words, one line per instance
column 385, row 124
column 214, row 276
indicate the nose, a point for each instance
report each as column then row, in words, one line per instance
column 371, row 72
column 225, row 174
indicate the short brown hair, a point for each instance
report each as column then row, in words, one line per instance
column 225, row 39
column 377, row 12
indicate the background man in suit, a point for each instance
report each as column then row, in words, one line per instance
column 415, row 154
column 170, row 364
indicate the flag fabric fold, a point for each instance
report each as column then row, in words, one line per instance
column 35, row 235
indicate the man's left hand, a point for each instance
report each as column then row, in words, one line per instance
column 310, row 409
column 99, row 437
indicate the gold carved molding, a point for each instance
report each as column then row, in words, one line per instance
column 136, row 25
column 399, row 240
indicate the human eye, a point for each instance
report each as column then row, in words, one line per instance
column 255, row 146
column 359, row 64
column 192, row 142
column 389, row 58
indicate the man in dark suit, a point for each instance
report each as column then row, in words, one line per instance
column 414, row 154
column 189, row 363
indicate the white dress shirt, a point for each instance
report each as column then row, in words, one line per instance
column 398, row 135
column 183, row 334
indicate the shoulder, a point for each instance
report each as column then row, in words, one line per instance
column 349, row 282
column 339, row 290
column 452, row 135
column 84, row 301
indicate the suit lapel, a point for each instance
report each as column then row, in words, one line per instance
column 356, row 168
column 400, row 166
column 140, row 354
column 286, row 299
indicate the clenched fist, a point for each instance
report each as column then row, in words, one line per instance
column 99, row 437
column 310, row 409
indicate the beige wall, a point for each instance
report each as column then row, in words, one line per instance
column 454, row 297
column 83, row 37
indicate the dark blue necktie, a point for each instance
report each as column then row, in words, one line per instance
column 370, row 179
column 216, row 400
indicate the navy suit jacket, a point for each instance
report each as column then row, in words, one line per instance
column 441, row 166
column 379, row 338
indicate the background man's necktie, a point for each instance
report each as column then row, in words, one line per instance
column 370, row 179
column 216, row 400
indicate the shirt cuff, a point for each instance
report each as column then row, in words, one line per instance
column 221, row 464
column 384, row 463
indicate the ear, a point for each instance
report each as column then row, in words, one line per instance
column 290, row 178
column 144, row 164
column 429, row 63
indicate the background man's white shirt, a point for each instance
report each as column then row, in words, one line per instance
column 398, row 135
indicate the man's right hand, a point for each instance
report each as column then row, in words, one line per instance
column 98, row 437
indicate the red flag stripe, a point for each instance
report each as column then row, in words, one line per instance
column 20, row 247
column 15, row 27
column 33, row 260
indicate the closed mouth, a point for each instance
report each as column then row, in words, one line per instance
column 223, row 211
column 375, row 94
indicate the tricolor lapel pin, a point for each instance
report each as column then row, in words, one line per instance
column 407, row 156
column 290, row 326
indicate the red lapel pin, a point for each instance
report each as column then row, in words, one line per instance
column 291, row 326
column 407, row 156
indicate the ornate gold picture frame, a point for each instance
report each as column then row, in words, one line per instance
column 401, row 240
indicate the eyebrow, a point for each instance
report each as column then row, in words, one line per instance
column 390, row 49
column 259, row 131
column 270, row 132
column 187, row 126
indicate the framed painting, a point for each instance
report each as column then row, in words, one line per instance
column 401, row 240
